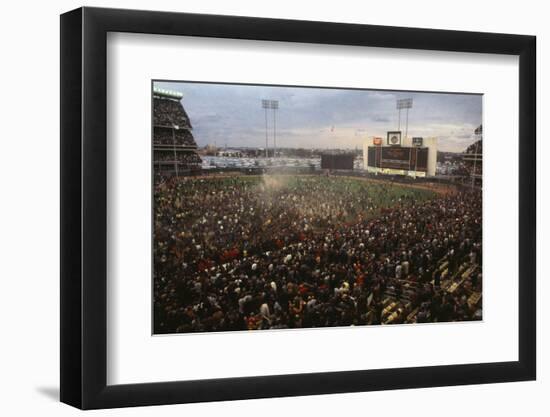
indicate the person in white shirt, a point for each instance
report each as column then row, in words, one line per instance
column 398, row 271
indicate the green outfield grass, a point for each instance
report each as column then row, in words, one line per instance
column 358, row 196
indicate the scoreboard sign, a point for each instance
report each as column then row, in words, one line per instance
column 398, row 158
column 337, row 161
column 394, row 138
column 417, row 141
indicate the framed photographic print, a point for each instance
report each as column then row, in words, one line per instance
column 257, row 207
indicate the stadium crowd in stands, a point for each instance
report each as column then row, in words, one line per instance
column 169, row 113
column 172, row 129
column 243, row 253
column 180, row 157
column 476, row 147
column 169, row 136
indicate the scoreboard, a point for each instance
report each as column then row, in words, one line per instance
column 337, row 161
column 395, row 158
column 399, row 158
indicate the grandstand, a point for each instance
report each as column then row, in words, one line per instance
column 174, row 148
column 472, row 158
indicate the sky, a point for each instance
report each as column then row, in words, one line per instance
column 231, row 115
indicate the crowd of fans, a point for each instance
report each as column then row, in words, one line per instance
column 167, row 112
column 473, row 164
column 467, row 169
column 172, row 128
column 477, row 169
column 173, row 137
column 241, row 253
column 469, row 164
column 185, row 158
column 476, row 147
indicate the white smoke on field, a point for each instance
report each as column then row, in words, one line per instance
column 272, row 183
column 300, row 196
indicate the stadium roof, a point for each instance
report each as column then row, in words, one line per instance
column 167, row 93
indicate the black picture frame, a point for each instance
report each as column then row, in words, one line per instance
column 84, row 207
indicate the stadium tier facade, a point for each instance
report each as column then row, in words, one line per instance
column 394, row 155
column 174, row 147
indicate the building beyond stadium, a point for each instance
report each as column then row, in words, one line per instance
column 401, row 156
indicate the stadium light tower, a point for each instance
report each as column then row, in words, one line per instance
column 274, row 106
column 265, row 106
column 404, row 103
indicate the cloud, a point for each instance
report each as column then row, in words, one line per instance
column 208, row 118
column 320, row 117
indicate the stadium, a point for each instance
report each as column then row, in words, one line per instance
column 174, row 148
column 264, row 243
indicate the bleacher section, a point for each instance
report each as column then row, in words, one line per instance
column 401, row 298
column 174, row 147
